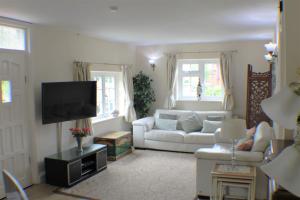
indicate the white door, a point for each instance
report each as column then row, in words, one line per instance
column 14, row 148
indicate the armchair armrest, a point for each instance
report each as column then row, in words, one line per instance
column 147, row 122
column 219, row 138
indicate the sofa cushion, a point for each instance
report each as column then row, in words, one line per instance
column 191, row 124
column 215, row 118
column 263, row 135
column 211, row 126
column 167, row 116
column 201, row 114
column 165, row 135
column 166, row 124
column 199, row 138
column 223, row 152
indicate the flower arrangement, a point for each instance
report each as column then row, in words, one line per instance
column 80, row 132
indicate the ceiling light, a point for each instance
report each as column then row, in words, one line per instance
column 113, row 8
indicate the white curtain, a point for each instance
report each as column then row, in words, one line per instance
column 225, row 64
column 130, row 114
column 171, row 80
column 81, row 72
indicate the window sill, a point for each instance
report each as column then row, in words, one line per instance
column 106, row 119
column 202, row 101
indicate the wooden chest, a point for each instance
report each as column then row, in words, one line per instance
column 118, row 144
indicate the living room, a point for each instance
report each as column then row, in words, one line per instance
column 123, row 38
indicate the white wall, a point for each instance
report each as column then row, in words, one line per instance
column 249, row 52
column 289, row 57
column 292, row 40
column 52, row 54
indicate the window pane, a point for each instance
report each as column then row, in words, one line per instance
column 110, row 99
column 99, row 94
column 189, row 86
column 12, row 38
column 190, row 67
column 194, row 67
column 109, row 82
column 5, row 91
column 212, row 80
column 186, row 67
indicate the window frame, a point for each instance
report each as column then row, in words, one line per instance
column 200, row 73
column 26, row 37
column 117, row 79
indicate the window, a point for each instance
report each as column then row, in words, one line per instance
column 12, row 38
column 190, row 71
column 5, row 91
column 109, row 93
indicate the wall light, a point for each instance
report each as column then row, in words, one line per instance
column 152, row 64
column 272, row 52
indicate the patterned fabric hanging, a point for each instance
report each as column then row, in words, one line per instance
column 259, row 87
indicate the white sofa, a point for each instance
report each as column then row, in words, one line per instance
column 145, row 136
column 221, row 153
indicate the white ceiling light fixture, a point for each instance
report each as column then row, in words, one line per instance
column 113, row 9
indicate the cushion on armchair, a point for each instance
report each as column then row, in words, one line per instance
column 223, row 152
column 246, row 143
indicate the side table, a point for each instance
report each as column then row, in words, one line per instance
column 225, row 177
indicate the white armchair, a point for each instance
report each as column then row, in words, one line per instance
column 221, row 153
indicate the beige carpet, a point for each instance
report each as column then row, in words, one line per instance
column 142, row 175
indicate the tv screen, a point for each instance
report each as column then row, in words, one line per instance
column 65, row 101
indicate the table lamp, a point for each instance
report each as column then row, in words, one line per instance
column 283, row 108
column 233, row 129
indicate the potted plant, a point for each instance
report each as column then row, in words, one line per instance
column 79, row 133
column 143, row 94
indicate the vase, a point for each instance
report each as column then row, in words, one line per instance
column 79, row 144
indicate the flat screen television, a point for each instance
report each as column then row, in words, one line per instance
column 65, row 101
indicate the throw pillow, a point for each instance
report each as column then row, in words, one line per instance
column 215, row 118
column 246, row 143
column 262, row 138
column 181, row 118
column 251, row 132
column 211, row 126
column 191, row 124
column 166, row 124
column 164, row 116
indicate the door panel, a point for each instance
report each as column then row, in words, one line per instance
column 14, row 155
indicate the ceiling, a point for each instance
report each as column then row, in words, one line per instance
column 146, row 22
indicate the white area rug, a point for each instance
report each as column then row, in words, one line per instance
column 143, row 175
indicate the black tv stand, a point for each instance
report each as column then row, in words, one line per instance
column 69, row 167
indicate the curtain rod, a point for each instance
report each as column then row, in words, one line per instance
column 207, row 51
column 98, row 63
